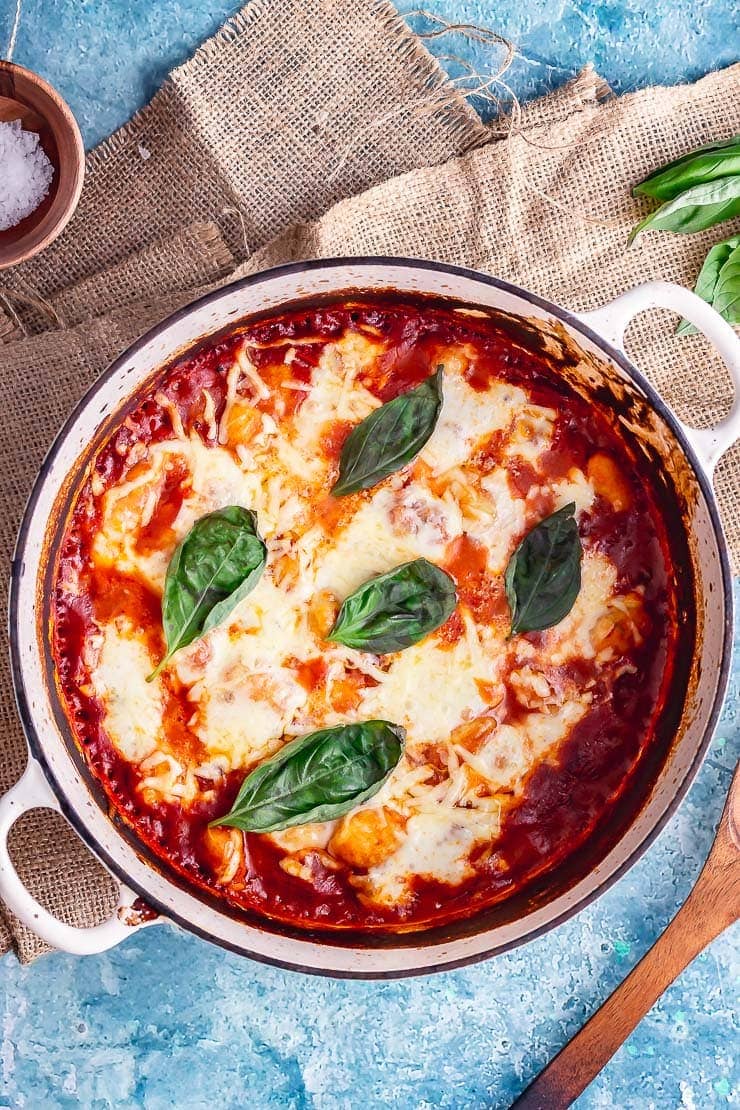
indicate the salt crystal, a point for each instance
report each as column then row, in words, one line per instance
column 25, row 173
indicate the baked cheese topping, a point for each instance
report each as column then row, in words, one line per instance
column 484, row 712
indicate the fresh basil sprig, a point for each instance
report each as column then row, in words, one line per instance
column 719, row 283
column 217, row 564
column 397, row 609
column 706, row 163
column 390, row 437
column 317, row 777
column 695, row 209
column 543, row 577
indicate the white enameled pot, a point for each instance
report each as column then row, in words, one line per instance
column 56, row 776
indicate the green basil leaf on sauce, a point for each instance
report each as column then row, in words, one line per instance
column 217, row 564
column 396, row 609
column 543, row 577
column 695, row 209
column 317, row 777
column 706, row 163
column 718, row 283
column 390, row 437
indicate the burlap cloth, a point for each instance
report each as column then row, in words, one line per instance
column 241, row 161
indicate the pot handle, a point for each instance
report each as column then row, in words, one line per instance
column 32, row 791
column 612, row 319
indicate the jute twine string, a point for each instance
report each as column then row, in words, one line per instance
column 484, row 88
column 487, row 87
column 480, row 87
column 11, row 298
column 516, row 131
column 229, row 210
column 14, row 31
column 472, row 32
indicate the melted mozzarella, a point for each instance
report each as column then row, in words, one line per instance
column 429, row 689
column 575, row 488
column 133, row 706
column 247, row 697
column 216, row 480
column 302, row 837
column 441, row 832
column 468, row 416
column 575, row 637
column 501, row 531
column 435, row 847
column 392, row 527
column 334, row 395
column 242, row 678
column 532, row 432
column 512, row 750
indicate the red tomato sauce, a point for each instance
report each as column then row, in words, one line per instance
column 603, row 770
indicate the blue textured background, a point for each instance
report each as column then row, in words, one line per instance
column 107, row 57
column 168, row 1021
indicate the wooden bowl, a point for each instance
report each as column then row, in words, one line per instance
column 27, row 97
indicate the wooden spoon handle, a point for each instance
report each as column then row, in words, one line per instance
column 570, row 1072
column 712, row 905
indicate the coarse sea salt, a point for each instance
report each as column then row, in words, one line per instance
column 25, row 173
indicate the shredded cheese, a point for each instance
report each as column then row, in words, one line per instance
column 243, row 679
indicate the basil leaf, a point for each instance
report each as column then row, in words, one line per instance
column 706, row 163
column 727, row 291
column 708, row 280
column 694, row 210
column 390, row 437
column 543, row 577
column 396, row 609
column 217, row 564
column 317, row 777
